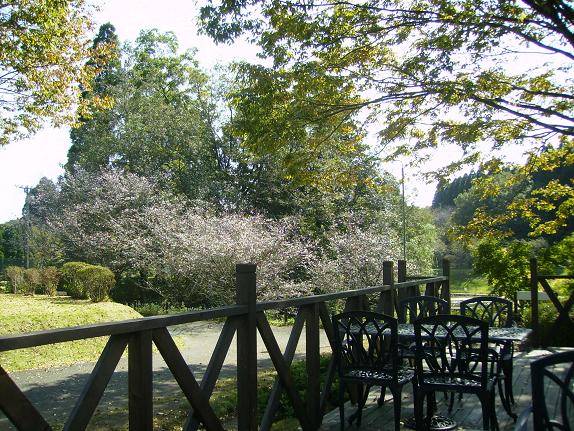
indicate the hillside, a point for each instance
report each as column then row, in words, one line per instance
column 20, row 314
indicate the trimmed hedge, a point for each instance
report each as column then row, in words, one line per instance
column 97, row 281
column 70, row 280
column 49, row 278
column 16, row 276
column 32, row 280
column 82, row 281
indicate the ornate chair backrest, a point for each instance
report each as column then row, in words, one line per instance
column 492, row 309
column 367, row 341
column 411, row 309
column 552, row 396
column 451, row 347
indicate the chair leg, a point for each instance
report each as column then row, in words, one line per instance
column 493, row 418
column 363, row 394
column 419, row 397
column 381, row 399
column 397, row 394
column 507, row 371
column 504, row 397
column 431, row 407
column 485, row 404
column 342, row 404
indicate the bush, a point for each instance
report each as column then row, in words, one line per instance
column 49, row 278
column 70, row 280
column 97, row 281
column 16, row 276
column 31, row 280
column 506, row 265
column 551, row 333
column 155, row 309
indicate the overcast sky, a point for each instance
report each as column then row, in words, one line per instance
column 23, row 163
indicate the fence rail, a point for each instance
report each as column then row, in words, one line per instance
column 563, row 308
column 245, row 319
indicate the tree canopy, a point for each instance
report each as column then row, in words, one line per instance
column 161, row 121
column 424, row 58
column 43, row 48
column 191, row 133
column 163, row 182
column 480, row 75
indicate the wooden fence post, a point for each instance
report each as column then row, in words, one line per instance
column 445, row 291
column 534, row 300
column 386, row 303
column 402, row 276
column 247, row 348
column 402, row 271
column 313, row 365
column 140, row 382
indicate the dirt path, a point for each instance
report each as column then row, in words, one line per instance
column 54, row 390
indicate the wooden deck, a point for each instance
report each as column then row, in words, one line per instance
column 466, row 413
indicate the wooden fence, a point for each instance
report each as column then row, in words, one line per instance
column 563, row 308
column 244, row 318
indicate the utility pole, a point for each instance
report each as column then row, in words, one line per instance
column 27, row 228
column 404, row 213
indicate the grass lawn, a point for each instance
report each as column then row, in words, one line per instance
column 19, row 314
column 463, row 280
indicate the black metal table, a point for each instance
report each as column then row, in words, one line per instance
column 495, row 335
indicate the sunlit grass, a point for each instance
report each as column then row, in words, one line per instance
column 21, row 314
column 463, row 280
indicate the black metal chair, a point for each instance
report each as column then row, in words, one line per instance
column 552, row 379
column 366, row 355
column 411, row 309
column 498, row 313
column 451, row 355
column 416, row 307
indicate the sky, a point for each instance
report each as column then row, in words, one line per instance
column 24, row 163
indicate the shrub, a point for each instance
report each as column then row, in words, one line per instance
column 97, row 281
column 49, row 278
column 551, row 333
column 155, row 309
column 16, row 276
column 71, row 282
column 505, row 265
column 31, row 280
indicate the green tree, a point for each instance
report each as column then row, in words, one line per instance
column 505, row 264
column 43, row 247
column 40, row 201
column 12, row 241
column 419, row 60
column 166, row 122
column 161, row 123
column 431, row 72
column 274, row 121
column 43, row 46
column 487, row 201
column 447, row 191
column 85, row 150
